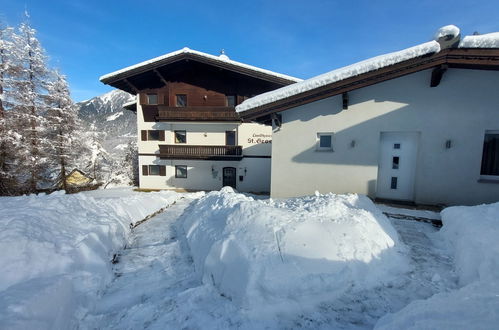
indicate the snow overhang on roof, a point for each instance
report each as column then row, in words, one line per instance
column 132, row 106
column 188, row 54
column 480, row 52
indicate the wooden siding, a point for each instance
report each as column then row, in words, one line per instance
column 200, row 152
column 197, row 114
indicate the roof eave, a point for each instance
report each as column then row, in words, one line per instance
column 479, row 58
column 111, row 78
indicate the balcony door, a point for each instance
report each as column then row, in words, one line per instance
column 229, row 177
column 230, row 138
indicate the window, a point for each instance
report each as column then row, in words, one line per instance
column 393, row 184
column 153, row 135
column 181, row 100
column 490, row 154
column 154, row 170
column 325, row 141
column 152, row 98
column 395, row 162
column 230, row 138
column 396, row 146
column 181, row 171
column 180, row 137
column 231, row 100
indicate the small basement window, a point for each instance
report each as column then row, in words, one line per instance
column 181, row 171
column 180, row 137
column 490, row 154
column 181, row 100
column 325, row 141
column 152, row 98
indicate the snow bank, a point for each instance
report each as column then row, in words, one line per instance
column 56, row 251
column 270, row 256
column 489, row 40
column 353, row 70
column 471, row 232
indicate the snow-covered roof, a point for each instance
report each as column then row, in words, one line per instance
column 349, row 71
column 489, row 40
column 223, row 59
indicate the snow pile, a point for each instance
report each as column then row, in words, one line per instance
column 489, row 40
column 270, row 256
column 56, row 251
column 450, row 31
column 353, row 70
column 472, row 234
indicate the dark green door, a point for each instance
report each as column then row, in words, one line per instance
column 229, row 177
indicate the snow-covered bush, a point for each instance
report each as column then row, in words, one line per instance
column 56, row 251
column 270, row 256
column 471, row 232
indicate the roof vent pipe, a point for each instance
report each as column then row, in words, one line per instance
column 448, row 36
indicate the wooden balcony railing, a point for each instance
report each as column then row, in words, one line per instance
column 197, row 114
column 176, row 151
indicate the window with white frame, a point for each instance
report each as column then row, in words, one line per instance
column 490, row 155
column 324, row 141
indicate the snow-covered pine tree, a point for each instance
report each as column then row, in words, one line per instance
column 96, row 156
column 28, row 96
column 64, row 128
column 9, row 71
column 131, row 162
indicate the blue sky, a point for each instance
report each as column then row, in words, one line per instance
column 89, row 38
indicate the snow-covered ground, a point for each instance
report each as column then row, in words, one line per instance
column 56, row 251
column 225, row 260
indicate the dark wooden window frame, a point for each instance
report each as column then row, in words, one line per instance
column 149, row 100
column 146, row 170
column 177, row 96
column 235, row 138
column 175, row 136
column 145, row 135
column 176, row 172
column 227, row 100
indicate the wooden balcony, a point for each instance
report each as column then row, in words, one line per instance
column 179, row 151
column 166, row 113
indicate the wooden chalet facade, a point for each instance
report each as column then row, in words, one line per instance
column 190, row 136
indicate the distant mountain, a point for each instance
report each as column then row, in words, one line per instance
column 107, row 115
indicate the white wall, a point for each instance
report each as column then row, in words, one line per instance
column 460, row 109
column 207, row 174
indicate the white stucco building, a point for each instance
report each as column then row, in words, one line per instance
column 190, row 136
column 420, row 125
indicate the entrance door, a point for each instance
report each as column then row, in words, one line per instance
column 229, row 177
column 397, row 165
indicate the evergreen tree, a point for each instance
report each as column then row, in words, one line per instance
column 64, row 127
column 10, row 70
column 96, row 156
column 28, row 96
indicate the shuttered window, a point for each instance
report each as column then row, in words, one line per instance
column 154, row 170
column 152, row 135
